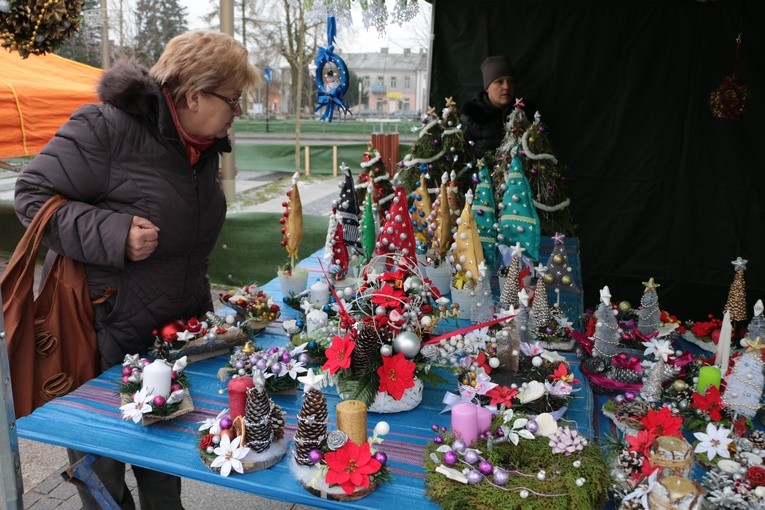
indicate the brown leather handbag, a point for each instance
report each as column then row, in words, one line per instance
column 51, row 340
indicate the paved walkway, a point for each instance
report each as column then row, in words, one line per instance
column 41, row 464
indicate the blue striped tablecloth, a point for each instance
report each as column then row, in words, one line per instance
column 88, row 419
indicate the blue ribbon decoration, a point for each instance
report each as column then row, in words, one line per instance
column 331, row 98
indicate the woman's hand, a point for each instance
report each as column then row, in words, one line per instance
column 142, row 239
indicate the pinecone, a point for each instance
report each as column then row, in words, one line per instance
column 567, row 441
column 595, row 364
column 367, row 351
column 624, row 375
column 312, row 426
column 277, row 422
column 257, row 422
column 757, row 437
column 630, row 462
column 632, row 504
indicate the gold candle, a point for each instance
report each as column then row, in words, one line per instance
column 352, row 419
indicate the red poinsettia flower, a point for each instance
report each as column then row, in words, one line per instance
column 397, row 277
column 502, row 395
column 339, row 354
column 647, row 469
column 396, row 375
column 483, row 362
column 561, row 373
column 590, row 329
column 704, row 329
column 388, row 296
column 740, row 427
column 710, row 402
column 350, row 466
column 662, row 423
column 642, row 442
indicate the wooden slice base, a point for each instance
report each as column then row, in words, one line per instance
column 315, row 485
column 253, row 462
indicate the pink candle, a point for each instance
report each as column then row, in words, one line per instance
column 237, row 395
column 484, row 419
column 465, row 422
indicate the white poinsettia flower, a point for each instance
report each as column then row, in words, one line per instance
column 138, row 407
column 642, row 491
column 210, row 422
column 659, row 348
column 229, row 455
column 531, row 349
column 483, row 384
column 478, row 337
column 184, row 336
column 180, row 365
column 293, row 369
column 559, row 389
column 714, row 442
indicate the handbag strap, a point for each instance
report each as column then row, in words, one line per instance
column 25, row 256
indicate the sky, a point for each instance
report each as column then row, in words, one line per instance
column 354, row 39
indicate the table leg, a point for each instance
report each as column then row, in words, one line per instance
column 82, row 475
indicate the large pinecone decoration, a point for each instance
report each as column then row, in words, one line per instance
column 311, row 427
column 630, row 462
column 257, row 420
column 757, row 438
column 595, row 364
column 366, row 354
column 624, row 375
column 277, row 422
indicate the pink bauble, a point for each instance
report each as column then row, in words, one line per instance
column 159, row 401
column 125, row 379
column 315, row 456
column 176, row 387
column 127, row 371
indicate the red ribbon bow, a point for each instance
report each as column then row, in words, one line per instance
column 621, row 360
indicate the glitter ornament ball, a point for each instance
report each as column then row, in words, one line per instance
column 315, row 456
column 450, row 458
column 225, row 423
column 501, row 477
column 381, row 457
column 159, row 401
column 474, row 477
column 471, row 456
column 625, row 306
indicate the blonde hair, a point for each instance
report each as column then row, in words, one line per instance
column 203, row 60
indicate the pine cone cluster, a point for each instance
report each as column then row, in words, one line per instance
column 567, row 441
column 311, row 427
column 630, row 462
column 757, row 437
column 367, row 351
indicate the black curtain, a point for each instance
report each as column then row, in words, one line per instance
column 659, row 187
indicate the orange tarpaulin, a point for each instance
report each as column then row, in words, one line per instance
column 37, row 95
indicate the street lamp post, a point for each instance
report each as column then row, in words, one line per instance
column 361, row 98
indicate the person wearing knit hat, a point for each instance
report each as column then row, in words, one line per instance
column 484, row 116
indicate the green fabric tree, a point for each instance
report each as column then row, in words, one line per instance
column 518, row 218
column 484, row 210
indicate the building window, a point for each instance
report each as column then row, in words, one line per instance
column 393, row 82
column 407, row 83
column 366, row 82
column 380, row 81
column 380, row 103
column 405, row 105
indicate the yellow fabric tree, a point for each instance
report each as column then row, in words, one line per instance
column 467, row 254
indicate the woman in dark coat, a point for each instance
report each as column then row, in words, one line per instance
column 146, row 203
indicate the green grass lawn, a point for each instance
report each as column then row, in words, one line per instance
column 352, row 126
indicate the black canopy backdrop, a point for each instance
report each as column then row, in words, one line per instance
column 659, row 186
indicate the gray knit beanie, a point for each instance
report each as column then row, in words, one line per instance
column 495, row 67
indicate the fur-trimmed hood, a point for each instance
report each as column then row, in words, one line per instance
column 128, row 86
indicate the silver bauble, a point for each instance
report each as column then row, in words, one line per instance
column 407, row 343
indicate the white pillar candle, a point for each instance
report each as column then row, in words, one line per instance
column 320, row 293
column 723, row 344
column 157, row 378
column 315, row 319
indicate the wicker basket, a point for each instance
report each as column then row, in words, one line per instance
column 385, row 404
column 440, row 276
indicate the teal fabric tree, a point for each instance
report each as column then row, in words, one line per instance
column 518, row 220
column 485, row 212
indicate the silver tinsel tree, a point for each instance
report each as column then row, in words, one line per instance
column 649, row 315
column 523, row 319
column 540, row 307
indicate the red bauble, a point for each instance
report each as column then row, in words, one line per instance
column 193, row 325
column 730, row 100
column 168, row 332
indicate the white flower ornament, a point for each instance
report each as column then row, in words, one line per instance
column 138, row 407
column 229, row 455
column 714, row 442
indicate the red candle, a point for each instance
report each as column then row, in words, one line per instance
column 237, row 395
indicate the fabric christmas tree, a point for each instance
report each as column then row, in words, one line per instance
column 421, row 211
column 558, row 276
column 335, row 250
column 649, row 315
column 485, row 211
column 312, row 419
column 540, row 307
column 257, row 415
column 745, row 381
column 396, row 235
column 368, row 227
column 348, row 212
column 509, row 295
column 292, row 231
column 547, row 178
column 607, row 334
column 736, row 303
column 374, row 172
column 466, row 256
column 526, row 332
column 458, row 154
column 441, row 223
column 756, row 326
column 454, row 198
column 518, row 217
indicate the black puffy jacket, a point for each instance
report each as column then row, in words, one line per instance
column 113, row 161
column 485, row 123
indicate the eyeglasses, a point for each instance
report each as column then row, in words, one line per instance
column 233, row 103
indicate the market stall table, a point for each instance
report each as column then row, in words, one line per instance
column 89, row 420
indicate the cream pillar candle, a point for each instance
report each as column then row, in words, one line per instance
column 352, row 419
column 320, row 293
column 157, row 378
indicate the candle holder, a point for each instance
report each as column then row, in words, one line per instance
column 672, row 454
column 676, row 493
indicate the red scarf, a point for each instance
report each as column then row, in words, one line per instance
column 193, row 144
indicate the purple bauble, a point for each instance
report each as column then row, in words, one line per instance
column 315, row 456
column 381, row 458
column 501, row 477
column 304, row 358
column 499, row 432
column 261, row 365
column 158, row 401
column 239, row 364
column 450, row 458
column 286, row 357
column 434, row 427
column 276, row 368
column 438, row 439
column 549, row 330
column 176, row 387
column 474, row 477
column 253, row 359
column 225, row 423
column 532, row 426
column 273, row 350
column 485, row 467
column 471, row 456
column 629, row 396
column 127, row 371
column 458, row 445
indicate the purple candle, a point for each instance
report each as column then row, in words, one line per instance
column 465, row 422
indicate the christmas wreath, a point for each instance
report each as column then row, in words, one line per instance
column 39, row 27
